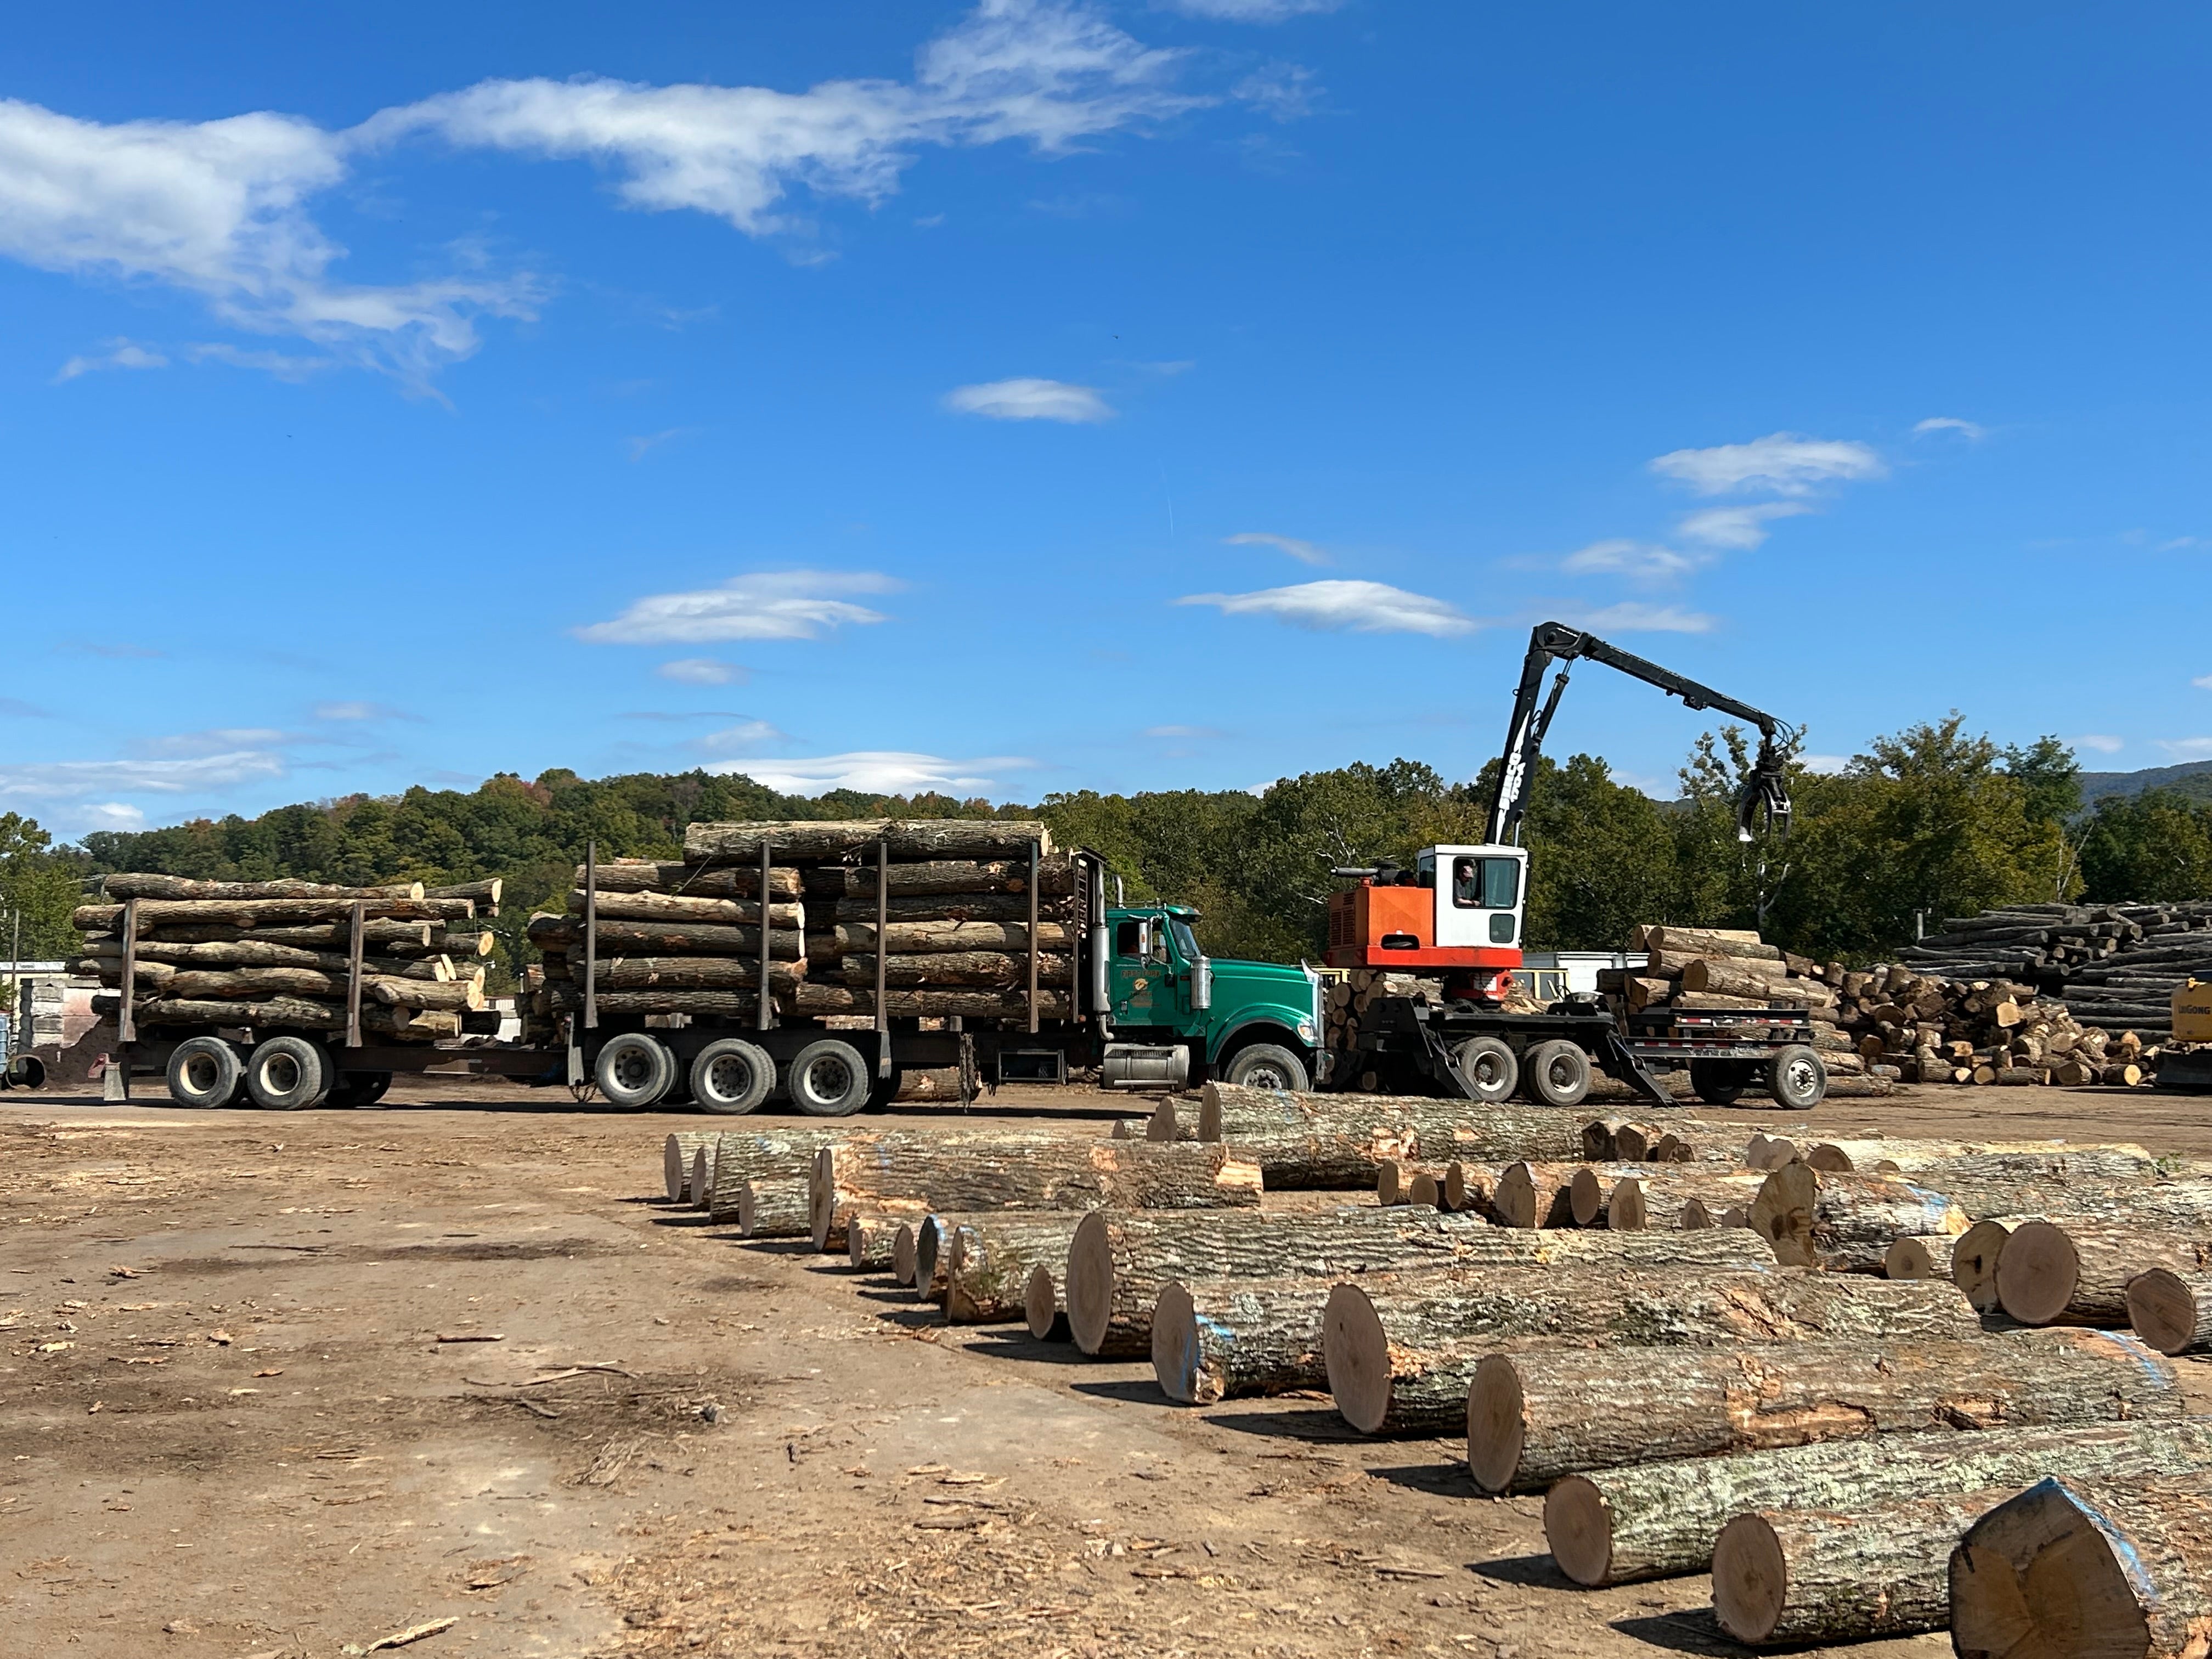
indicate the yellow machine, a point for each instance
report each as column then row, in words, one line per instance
column 2192, row 1012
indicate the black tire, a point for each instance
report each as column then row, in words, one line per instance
column 360, row 1089
column 1490, row 1066
column 287, row 1075
column 731, row 1076
column 1720, row 1082
column 1556, row 1073
column 1268, row 1066
column 633, row 1071
column 26, row 1071
column 829, row 1078
column 205, row 1072
column 885, row 1093
column 1797, row 1078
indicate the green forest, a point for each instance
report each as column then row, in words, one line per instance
column 1931, row 821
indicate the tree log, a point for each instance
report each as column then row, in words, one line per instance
column 1821, row 1576
column 1043, row 1309
column 684, row 907
column 769, row 1208
column 486, row 893
column 298, row 1013
column 948, row 906
column 924, row 839
column 991, row 1258
column 2049, row 1273
column 251, row 984
column 1655, row 1520
column 1923, row 1160
column 2087, row 1566
column 1673, row 1199
column 1118, row 1263
column 178, row 887
column 1709, row 942
column 766, row 1155
column 812, row 998
column 675, row 1161
column 1339, row 1141
column 1769, row 990
column 959, row 876
column 1534, row 1417
column 1974, row 1256
column 916, row 938
column 1845, row 1224
column 266, row 913
column 1534, row 1195
column 250, row 953
column 871, row 1233
column 690, row 880
column 375, row 935
column 2171, row 1312
column 562, row 932
column 689, row 972
column 959, row 968
column 1218, row 1339
column 1919, row 1256
column 1401, row 1352
column 1017, row 1170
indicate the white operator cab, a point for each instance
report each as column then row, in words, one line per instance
column 1481, row 892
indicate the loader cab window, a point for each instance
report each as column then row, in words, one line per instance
column 1486, row 884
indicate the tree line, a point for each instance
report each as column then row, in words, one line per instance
column 1930, row 822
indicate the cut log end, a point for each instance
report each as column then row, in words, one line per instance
column 906, row 1255
column 1974, row 1262
column 673, row 1170
column 2036, row 1273
column 1357, row 1352
column 1175, row 1346
column 1579, row 1529
column 931, row 1242
column 1040, row 1307
column 2038, row 1576
column 1089, row 1287
column 1626, row 1209
column 1751, row 1579
column 1914, row 1258
column 2163, row 1310
column 702, row 1187
column 1164, row 1125
column 1586, row 1196
column 1494, row 1424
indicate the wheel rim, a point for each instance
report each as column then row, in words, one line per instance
column 729, row 1078
column 1797, row 1077
column 280, row 1075
column 1264, row 1076
column 1560, row 1073
column 633, row 1068
column 833, row 1072
column 1487, row 1071
column 200, row 1074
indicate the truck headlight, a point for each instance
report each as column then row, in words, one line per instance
column 1305, row 1030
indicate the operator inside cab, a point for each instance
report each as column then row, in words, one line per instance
column 1467, row 888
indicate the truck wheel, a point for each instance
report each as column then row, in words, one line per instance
column 205, row 1072
column 829, row 1079
column 733, row 1076
column 1490, row 1066
column 360, row 1089
column 1268, row 1066
column 287, row 1075
column 884, row 1095
column 1557, row 1073
column 1719, row 1082
column 1797, row 1078
column 634, row 1070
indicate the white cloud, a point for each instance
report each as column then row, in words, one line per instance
column 223, row 740
column 1738, row 528
column 2179, row 543
column 1027, row 399
column 1181, row 731
column 283, row 365
column 640, row 446
column 1632, row 618
column 703, row 671
column 1781, row 463
column 1253, row 11
column 1825, row 765
column 887, row 772
column 2100, row 742
column 2202, row 682
column 74, row 780
column 218, row 209
column 1639, row 561
column 1049, row 73
column 110, row 815
column 746, row 734
column 1304, row 552
column 769, row 605
column 120, row 354
column 2187, row 748
column 1285, row 91
column 358, row 711
column 1359, row 607
column 1966, row 429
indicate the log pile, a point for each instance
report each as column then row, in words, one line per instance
column 685, row 938
column 2117, row 965
column 277, row 955
column 1981, row 1031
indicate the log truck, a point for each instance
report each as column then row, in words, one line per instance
column 1458, row 912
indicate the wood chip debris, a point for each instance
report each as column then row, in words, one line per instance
column 400, row 1638
column 471, row 1336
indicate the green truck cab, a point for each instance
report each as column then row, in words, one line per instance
column 1178, row 1015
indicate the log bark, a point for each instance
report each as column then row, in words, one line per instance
column 993, row 1256
column 1771, row 990
column 2087, row 1566
column 1402, row 1349
column 1118, row 1263
column 1016, row 1170
column 299, row 1013
column 252, row 984
column 689, row 972
column 671, row 938
column 375, row 935
column 1845, row 1224
column 2171, row 1312
column 1218, row 1339
column 1710, row 942
column 567, row 997
column 996, row 969
column 1656, row 1520
column 870, row 1236
column 1674, row 1199
column 676, row 1160
column 923, row 839
column 1791, row 1576
column 1534, row 1195
column 959, row 878
column 1534, row 1418
column 768, row 1207
column 1925, row 1161
column 937, row 938
column 486, row 893
column 948, row 906
column 131, row 886
column 812, row 998
column 1339, row 1142
column 685, row 907
column 763, row 1155
column 255, row 914
column 2050, row 1274
column 690, row 880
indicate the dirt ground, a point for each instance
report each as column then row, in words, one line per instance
column 229, row 1427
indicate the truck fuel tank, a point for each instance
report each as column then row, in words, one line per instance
column 1139, row 1065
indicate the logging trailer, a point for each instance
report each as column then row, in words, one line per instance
column 1458, row 912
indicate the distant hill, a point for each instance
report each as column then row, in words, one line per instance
column 2191, row 778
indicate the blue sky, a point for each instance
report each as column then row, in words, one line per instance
column 1036, row 396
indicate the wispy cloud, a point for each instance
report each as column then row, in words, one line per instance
column 746, row 734
column 1645, row 561
column 1304, row 552
column 1181, row 731
column 1284, row 91
column 1739, row 529
column 877, row 771
column 2202, row 682
column 283, row 365
column 703, row 671
column 356, row 710
column 1824, row 765
column 120, row 354
column 1253, row 11
column 1357, row 607
column 639, row 447
column 2100, row 742
column 1634, row 618
column 2183, row 749
column 77, row 780
column 1781, row 463
column 1966, row 429
column 1028, row 399
column 769, row 605
column 111, row 815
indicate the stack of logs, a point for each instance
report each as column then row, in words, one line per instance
column 684, row 937
column 1983, row 1031
column 275, row 955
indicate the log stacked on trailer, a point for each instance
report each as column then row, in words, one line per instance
column 684, row 937
column 277, row 955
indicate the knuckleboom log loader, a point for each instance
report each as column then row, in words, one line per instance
column 1457, row 914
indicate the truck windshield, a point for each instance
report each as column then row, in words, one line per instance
column 1186, row 945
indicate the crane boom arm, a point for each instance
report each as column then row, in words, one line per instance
column 1549, row 642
